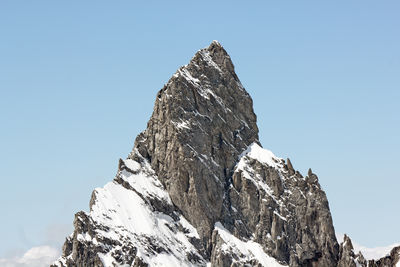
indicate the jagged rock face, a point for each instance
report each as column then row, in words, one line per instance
column 275, row 206
column 203, row 119
column 285, row 212
column 198, row 188
column 347, row 257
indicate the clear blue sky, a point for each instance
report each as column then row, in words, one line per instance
column 78, row 81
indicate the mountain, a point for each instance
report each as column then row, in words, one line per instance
column 198, row 189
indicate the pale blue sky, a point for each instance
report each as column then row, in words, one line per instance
column 78, row 81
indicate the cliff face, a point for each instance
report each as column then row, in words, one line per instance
column 199, row 189
column 202, row 120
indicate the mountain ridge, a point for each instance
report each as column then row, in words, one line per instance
column 198, row 189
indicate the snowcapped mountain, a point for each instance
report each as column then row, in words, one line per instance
column 199, row 190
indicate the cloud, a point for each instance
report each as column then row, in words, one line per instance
column 374, row 253
column 35, row 257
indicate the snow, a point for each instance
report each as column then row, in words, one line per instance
column 216, row 42
column 106, row 259
column 263, row 155
column 85, row 237
column 189, row 227
column 207, row 58
column 250, row 174
column 132, row 165
column 125, row 214
column 130, row 209
column 206, row 92
column 247, row 250
column 164, row 259
column 147, row 185
column 280, row 216
column 182, row 124
column 222, row 119
column 266, row 157
column 188, row 76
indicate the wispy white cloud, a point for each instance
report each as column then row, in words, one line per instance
column 35, row 257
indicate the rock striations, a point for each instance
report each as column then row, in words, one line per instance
column 199, row 190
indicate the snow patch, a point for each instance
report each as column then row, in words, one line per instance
column 182, row 124
column 146, row 185
column 280, row 216
column 124, row 213
column 247, row 250
column 263, row 155
column 132, row 165
column 188, row 76
column 207, row 58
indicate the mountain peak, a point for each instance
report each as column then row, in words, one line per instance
column 203, row 114
column 215, row 56
column 215, row 42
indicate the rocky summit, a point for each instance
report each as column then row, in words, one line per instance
column 198, row 189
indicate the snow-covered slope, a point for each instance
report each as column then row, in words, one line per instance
column 132, row 219
column 246, row 251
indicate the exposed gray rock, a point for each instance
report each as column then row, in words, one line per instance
column 290, row 167
column 347, row 257
column 391, row 260
column 202, row 120
column 290, row 216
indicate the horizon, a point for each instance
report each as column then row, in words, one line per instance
column 77, row 90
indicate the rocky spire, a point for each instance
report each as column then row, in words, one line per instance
column 202, row 121
column 347, row 257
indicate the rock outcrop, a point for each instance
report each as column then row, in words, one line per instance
column 347, row 257
column 199, row 189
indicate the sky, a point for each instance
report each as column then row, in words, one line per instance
column 78, row 80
